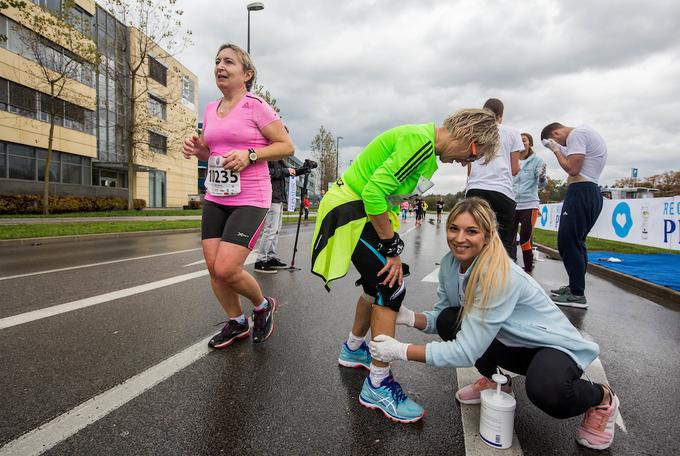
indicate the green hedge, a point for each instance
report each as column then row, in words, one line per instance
column 32, row 204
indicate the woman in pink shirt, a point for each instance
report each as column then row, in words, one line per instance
column 240, row 134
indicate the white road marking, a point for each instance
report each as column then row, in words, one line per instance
column 26, row 317
column 64, row 426
column 194, row 263
column 474, row 445
column 408, row 231
column 432, row 277
column 97, row 264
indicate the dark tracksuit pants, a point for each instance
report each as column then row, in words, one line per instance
column 582, row 205
column 553, row 379
column 504, row 208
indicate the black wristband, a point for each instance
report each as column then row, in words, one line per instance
column 391, row 247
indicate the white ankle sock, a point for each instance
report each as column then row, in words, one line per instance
column 241, row 319
column 262, row 305
column 354, row 342
column 378, row 374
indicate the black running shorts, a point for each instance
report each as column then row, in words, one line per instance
column 239, row 225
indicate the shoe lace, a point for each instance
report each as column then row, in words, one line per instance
column 397, row 393
column 260, row 318
column 596, row 418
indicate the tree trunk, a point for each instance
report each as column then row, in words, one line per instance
column 48, row 164
column 131, row 146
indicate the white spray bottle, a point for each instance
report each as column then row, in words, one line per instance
column 497, row 417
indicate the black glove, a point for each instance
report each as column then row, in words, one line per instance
column 391, row 247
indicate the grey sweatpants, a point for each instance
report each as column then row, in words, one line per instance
column 270, row 233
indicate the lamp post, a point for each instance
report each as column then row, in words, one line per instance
column 255, row 6
column 337, row 154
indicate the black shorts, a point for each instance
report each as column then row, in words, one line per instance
column 239, row 225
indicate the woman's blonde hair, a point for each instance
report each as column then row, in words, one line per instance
column 245, row 60
column 476, row 126
column 531, row 143
column 490, row 273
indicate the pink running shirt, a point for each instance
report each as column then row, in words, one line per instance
column 240, row 130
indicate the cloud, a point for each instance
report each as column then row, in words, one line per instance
column 359, row 67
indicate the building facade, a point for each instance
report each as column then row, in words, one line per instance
column 90, row 149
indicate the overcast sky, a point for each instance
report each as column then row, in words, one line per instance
column 359, row 67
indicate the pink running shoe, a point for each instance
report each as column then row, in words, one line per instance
column 598, row 426
column 471, row 394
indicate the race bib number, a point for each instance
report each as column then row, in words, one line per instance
column 220, row 181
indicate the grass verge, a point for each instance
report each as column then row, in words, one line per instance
column 549, row 239
column 81, row 228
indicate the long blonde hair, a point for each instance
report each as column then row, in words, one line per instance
column 476, row 126
column 492, row 266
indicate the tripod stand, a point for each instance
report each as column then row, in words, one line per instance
column 303, row 194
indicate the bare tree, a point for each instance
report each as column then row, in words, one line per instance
column 323, row 150
column 154, row 32
column 263, row 93
column 64, row 54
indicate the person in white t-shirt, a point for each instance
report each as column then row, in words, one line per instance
column 493, row 181
column 582, row 153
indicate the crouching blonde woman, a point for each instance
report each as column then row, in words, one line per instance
column 491, row 314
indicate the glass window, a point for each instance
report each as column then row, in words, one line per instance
column 21, row 162
column 14, row 42
column 157, row 107
column 54, row 5
column 187, row 89
column 3, row 161
column 71, row 159
column 3, row 94
column 72, row 174
column 22, row 100
column 3, row 31
column 46, row 107
column 157, row 71
column 158, row 143
column 54, row 165
column 74, row 117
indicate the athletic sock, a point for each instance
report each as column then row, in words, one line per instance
column 378, row 374
column 354, row 342
column 262, row 306
column 241, row 319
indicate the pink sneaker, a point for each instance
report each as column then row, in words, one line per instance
column 471, row 394
column 598, row 425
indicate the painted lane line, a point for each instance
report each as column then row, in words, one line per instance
column 64, row 426
column 432, row 277
column 194, row 263
column 97, row 264
column 26, row 317
column 474, row 445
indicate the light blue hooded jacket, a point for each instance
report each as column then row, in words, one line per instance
column 522, row 313
column 526, row 183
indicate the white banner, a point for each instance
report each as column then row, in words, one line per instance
column 292, row 191
column 647, row 221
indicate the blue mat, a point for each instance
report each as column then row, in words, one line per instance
column 659, row 268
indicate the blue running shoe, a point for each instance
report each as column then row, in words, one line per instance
column 390, row 399
column 356, row 359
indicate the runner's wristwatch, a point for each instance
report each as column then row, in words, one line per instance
column 252, row 156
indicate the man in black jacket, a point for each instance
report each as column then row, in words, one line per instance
column 268, row 261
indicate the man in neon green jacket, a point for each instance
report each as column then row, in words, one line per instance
column 357, row 222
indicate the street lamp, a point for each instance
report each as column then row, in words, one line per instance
column 255, row 6
column 337, row 154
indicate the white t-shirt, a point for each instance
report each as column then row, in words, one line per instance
column 497, row 174
column 584, row 140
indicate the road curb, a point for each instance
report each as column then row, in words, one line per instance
column 657, row 293
column 90, row 237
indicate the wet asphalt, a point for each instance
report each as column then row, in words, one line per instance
column 288, row 395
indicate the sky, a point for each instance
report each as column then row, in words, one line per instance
column 359, row 67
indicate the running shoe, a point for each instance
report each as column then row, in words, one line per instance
column 276, row 263
column 570, row 300
column 390, row 399
column 231, row 332
column 472, row 394
column 263, row 321
column 598, row 426
column 263, row 267
column 359, row 358
column 561, row 290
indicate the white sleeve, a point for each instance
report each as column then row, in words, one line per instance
column 576, row 143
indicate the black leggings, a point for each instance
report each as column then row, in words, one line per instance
column 504, row 208
column 553, row 380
